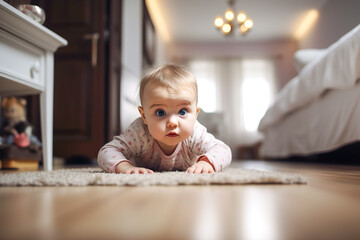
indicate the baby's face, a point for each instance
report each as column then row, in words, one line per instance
column 170, row 115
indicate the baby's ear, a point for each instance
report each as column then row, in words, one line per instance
column 197, row 111
column 141, row 111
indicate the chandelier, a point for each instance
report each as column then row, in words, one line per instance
column 228, row 23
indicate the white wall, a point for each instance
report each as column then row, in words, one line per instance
column 132, row 36
column 336, row 18
column 131, row 60
column 161, row 51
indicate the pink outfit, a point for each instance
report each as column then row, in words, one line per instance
column 138, row 147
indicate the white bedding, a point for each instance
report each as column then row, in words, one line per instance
column 327, row 124
column 303, row 56
column 337, row 68
column 319, row 109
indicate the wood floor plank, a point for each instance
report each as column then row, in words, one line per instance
column 325, row 208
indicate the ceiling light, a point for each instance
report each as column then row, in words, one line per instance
column 226, row 28
column 241, row 17
column 218, row 22
column 226, row 24
column 229, row 15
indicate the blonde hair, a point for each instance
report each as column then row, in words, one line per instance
column 170, row 76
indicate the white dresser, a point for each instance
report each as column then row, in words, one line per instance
column 27, row 66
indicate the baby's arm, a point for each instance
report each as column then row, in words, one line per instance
column 213, row 153
column 203, row 165
column 115, row 156
column 128, row 168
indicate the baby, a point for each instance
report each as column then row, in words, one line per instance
column 167, row 136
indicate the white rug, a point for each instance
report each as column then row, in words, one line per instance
column 96, row 176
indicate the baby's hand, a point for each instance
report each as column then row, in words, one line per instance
column 128, row 168
column 202, row 166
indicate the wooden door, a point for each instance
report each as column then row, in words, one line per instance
column 83, row 106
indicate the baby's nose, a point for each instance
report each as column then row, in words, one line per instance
column 172, row 122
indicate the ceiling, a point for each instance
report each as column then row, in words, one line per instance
column 192, row 20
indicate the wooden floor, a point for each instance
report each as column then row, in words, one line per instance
column 328, row 207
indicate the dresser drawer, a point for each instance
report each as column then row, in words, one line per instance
column 21, row 61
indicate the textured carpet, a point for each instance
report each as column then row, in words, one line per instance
column 96, row 176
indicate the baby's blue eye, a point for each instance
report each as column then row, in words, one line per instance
column 160, row 113
column 182, row 112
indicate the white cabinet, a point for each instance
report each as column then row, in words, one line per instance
column 21, row 62
column 27, row 66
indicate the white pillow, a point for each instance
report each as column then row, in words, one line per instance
column 304, row 56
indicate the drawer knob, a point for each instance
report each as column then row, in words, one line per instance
column 34, row 69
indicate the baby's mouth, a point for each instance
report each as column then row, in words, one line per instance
column 172, row 134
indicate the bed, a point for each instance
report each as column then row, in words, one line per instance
column 318, row 111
